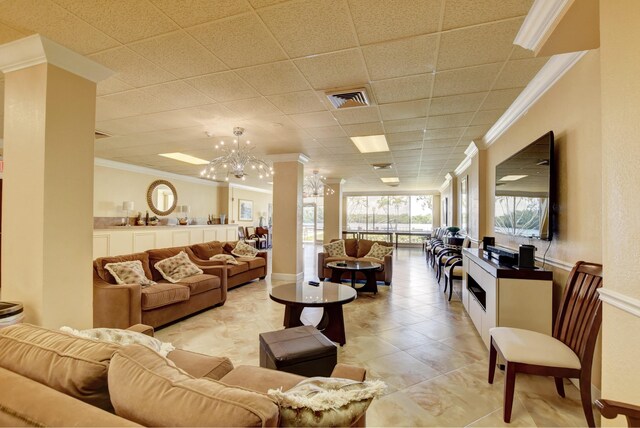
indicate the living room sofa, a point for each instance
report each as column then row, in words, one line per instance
column 356, row 249
column 51, row 378
column 122, row 305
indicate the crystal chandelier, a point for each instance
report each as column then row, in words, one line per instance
column 236, row 160
column 314, row 186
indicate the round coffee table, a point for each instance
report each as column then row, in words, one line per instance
column 367, row 268
column 329, row 296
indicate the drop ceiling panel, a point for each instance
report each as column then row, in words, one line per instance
column 405, row 125
column 314, row 120
column 310, row 27
column 449, row 120
column 404, row 110
column 363, row 129
column 131, row 103
column 436, row 134
column 326, row 132
column 225, row 86
column 8, row 34
column 405, row 57
column 131, row 68
column 403, row 89
column 487, row 117
column 297, row 102
column 456, row 104
column 462, row 13
column 176, row 95
column 334, row 70
column 195, row 12
column 518, row 73
column 240, row 41
column 352, row 116
column 466, row 80
column 112, row 85
column 404, row 137
column 274, row 78
column 500, row 99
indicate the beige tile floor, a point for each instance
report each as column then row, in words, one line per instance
column 409, row 335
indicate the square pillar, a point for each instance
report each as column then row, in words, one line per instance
column 287, row 253
column 47, row 244
column 333, row 209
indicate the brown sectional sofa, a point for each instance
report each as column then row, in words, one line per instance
column 356, row 249
column 120, row 306
column 50, row 378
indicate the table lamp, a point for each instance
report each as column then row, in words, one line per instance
column 127, row 206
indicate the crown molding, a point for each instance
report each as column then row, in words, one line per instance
column 542, row 18
column 289, row 157
column 621, row 301
column 250, row 188
column 37, row 49
column 150, row 171
column 447, row 180
column 470, row 152
column 548, row 75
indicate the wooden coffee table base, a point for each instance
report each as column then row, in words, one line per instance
column 331, row 324
column 371, row 285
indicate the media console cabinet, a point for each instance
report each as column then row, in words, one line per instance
column 496, row 295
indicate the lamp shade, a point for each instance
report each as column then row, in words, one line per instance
column 127, row 206
column 186, row 209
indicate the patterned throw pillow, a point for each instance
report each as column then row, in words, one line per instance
column 122, row 337
column 325, row 401
column 177, row 267
column 130, row 272
column 378, row 251
column 226, row 258
column 244, row 250
column 335, row 249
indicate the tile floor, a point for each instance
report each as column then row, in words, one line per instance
column 409, row 335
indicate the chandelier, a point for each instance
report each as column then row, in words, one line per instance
column 236, row 160
column 314, row 186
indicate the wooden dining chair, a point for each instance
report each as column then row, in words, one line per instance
column 611, row 409
column 566, row 354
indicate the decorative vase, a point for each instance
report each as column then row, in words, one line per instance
column 223, row 217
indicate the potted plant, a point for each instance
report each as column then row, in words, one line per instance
column 153, row 221
column 453, row 230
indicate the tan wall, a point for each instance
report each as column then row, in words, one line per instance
column 476, row 185
column 620, row 86
column 449, row 194
column 113, row 186
column 287, row 220
column 260, row 200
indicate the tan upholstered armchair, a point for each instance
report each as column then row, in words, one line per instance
column 356, row 249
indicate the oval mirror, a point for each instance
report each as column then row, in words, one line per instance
column 162, row 197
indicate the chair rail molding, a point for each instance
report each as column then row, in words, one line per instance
column 621, row 301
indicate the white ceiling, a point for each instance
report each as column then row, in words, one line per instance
column 439, row 73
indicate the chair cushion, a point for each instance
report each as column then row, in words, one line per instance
column 244, row 250
column 200, row 283
column 378, row 251
column 163, row 294
column 364, row 246
column 236, row 269
column 261, row 379
column 351, row 247
column 457, row 271
column 530, row 347
column 253, row 262
column 130, row 272
column 207, row 250
column 177, row 267
column 335, row 249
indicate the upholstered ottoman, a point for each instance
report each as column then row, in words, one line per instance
column 300, row 350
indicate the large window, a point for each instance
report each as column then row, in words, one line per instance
column 397, row 213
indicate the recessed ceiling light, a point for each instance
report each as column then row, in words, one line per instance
column 512, row 177
column 371, row 143
column 184, row 158
column 390, row 180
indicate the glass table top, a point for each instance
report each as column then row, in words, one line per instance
column 351, row 265
column 302, row 293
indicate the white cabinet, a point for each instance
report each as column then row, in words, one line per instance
column 500, row 296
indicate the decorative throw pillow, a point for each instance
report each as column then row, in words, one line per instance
column 244, row 250
column 378, row 251
column 130, row 272
column 122, row 337
column 226, row 258
column 325, row 401
column 177, row 267
column 335, row 249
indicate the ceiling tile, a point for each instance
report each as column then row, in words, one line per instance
column 467, row 80
column 131, row 68
column 326, row 132
column 519, row 73
column 405, row 125
column 487, row 117
column 334, row 70
column 379, row 20
column 436, row 134
column 252, row 107
column 8, row 34
column 484, row 44
column 264, row 3
column 147, row 123
column 177, row 95
column 334, row 142
column 405, row 137
column 405, row 110
column 297, row 102
column 54, row 22
column 111, row 86
column 400, row 58
column 442, row 143
column 349, row 116
column 449, row 120
column 461, row 13
column 314, row 120
column 240, row 41
column 362, row 129
column 500, row 99
column 456, row 103
column 474, row 132
column 225, row 86
column 403, row 89
column 192, row 12
column 180, row 54
column 310, row 27
column 124, row 20
column 395, row 147
column 129, row 103
column 275, row 78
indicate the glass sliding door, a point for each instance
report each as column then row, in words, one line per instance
column 309, row 223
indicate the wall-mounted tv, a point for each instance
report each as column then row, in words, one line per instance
column 525, row 191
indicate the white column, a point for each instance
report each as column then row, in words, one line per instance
column 287, row 254
column 47, row 221
column 333, row 209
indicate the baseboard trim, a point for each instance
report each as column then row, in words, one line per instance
column 621, row 301
column 287, row 276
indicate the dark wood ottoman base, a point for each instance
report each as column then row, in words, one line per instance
column 300, row 350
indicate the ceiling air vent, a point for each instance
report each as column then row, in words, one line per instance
column 378, row 166
column 349, row 98
column 100, row 134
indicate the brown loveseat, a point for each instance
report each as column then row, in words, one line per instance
column 50, row 378
column 356, row 249
column 246, row 270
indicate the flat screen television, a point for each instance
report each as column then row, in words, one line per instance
column 525, row 191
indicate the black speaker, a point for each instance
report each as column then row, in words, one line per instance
column 488, row 240
column 527, row 257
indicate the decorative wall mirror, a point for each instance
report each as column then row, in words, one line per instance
column 162, row 197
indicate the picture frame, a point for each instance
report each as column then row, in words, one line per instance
column 245, row 210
